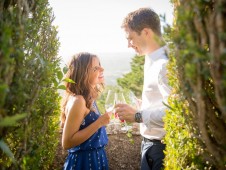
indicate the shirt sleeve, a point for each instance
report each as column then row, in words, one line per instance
column 163, row 83
column 153, row 117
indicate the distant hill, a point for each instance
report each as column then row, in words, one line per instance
column 115, row 65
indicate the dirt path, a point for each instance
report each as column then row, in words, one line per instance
column 121, row 153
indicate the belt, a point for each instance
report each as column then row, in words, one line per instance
column 152, row 140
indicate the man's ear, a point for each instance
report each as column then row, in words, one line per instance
column 148, row 32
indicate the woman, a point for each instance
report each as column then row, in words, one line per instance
column 84, row 133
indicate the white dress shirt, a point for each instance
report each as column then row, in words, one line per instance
column 155, row 91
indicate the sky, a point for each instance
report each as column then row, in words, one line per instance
column 95, row 25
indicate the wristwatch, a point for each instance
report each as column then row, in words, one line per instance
column 138, row 117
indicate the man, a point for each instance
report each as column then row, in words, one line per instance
column 143, row 32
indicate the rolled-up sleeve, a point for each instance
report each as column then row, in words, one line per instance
column 152, row 118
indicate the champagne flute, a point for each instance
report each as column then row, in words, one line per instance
column 120, row 99
column 133, row 100
column 110, row 101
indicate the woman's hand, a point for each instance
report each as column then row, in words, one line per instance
column 105, row 118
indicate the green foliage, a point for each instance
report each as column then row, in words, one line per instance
column 134, row 79
column 68, row 80
column 183, row 149
column 29, row 78
column 12, row 120
column 5, row 148
column 196, row 123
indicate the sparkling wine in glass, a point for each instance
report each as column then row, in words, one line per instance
column 110, row 101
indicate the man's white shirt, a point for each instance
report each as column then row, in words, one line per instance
column 155, row 92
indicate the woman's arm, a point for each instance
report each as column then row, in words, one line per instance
column 76, row 112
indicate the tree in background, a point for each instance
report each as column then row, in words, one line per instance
column 29, row 75
column 196, row 123
column 134, row 79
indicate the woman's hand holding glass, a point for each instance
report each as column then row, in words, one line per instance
column 105, row 118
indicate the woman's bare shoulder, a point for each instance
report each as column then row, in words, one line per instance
column 76, row 102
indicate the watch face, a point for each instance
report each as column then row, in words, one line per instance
column 138, row 117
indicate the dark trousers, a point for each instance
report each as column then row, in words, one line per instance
column 152, row 155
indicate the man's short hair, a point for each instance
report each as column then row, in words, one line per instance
column 143, row 18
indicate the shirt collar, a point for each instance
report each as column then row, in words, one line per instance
column 155, row 55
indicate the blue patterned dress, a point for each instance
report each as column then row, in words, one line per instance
column 90, row 155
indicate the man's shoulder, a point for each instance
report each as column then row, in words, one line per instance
column 162, row 59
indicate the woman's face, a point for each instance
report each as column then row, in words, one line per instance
column 96, row 72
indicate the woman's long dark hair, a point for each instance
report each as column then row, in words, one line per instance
column 78, row 71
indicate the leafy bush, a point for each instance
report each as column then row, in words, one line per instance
column 29, row 76
column 196, row 122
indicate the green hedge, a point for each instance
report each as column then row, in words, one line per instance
column 195, row 124
column 29, row 76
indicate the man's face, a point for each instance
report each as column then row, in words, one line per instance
column 136, row 41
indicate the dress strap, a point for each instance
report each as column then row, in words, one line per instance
column 96, row 108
